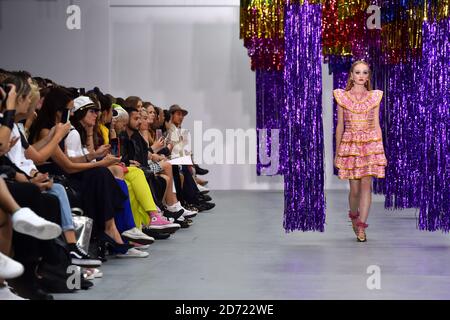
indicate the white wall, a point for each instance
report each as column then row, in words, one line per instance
column 34, row 37
column 177, row 51
column 191, row 56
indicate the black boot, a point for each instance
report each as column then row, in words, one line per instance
column 200, row 171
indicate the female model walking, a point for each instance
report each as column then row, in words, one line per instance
column 359, row 146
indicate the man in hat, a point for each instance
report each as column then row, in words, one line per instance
column 175, row 136
column 189, row 192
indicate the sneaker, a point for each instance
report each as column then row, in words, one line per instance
column 141, row 246
column 202, row 189
column 81, row 258
column 98, row 273
column 27, row 222
column 7, row 294
column 177, row 207
column 92, row 273
column 160, row 223
column 205, row 206
column 203, row 197
column 158, row 235
column 137, row 236
column 191, row 207
column 9, row 268
column 173, row 216
column 88, row 275
column 133, row 253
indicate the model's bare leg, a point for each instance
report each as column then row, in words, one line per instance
column 354, row 194
column 365, row 198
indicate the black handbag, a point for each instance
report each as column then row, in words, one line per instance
column 73, row 194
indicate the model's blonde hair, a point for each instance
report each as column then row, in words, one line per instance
column 368, row 84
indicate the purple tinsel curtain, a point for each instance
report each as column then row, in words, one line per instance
column 434, row 113
column 417, row 131
column 269, row 103
column 302, row 134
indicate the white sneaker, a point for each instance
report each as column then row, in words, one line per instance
column 138, row 236
column 9, row 268
column 27, row 222
column 202, row 188
column 133, row 253
column 177, row 207
column 88, row 275
column 92, row 273
column 7, row 294
column 143, row 247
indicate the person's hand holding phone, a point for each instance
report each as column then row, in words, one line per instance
column 158, row 134
column 158, row 145
column 110, row 160
column 43, row 181
column 61, row 130
column 102, row 151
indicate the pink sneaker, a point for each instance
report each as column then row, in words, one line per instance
column 161, row 224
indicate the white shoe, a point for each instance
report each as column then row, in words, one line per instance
column 143, row 247
column 138, row 236
column 98, row 273
column 9, row 268
column 92, row 273
column 177, row 207
column 27, row 222
column 88, row 275
column 133, row 253
column 202, row 188
column 7, row 294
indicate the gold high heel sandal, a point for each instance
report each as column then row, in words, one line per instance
column 354, row 216
column 361, row 231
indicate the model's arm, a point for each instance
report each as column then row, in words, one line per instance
column 377, row 120
column 339, row 127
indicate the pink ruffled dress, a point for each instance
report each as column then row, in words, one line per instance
column 361, row 151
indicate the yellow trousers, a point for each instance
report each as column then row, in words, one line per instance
column 141, row 197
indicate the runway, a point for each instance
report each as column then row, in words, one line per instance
column 239, row 250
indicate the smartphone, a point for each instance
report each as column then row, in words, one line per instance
column 158, row 134
column 115, row 150
column 65, row 116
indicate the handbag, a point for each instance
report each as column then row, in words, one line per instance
column 83, row 230
column 73, row 194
